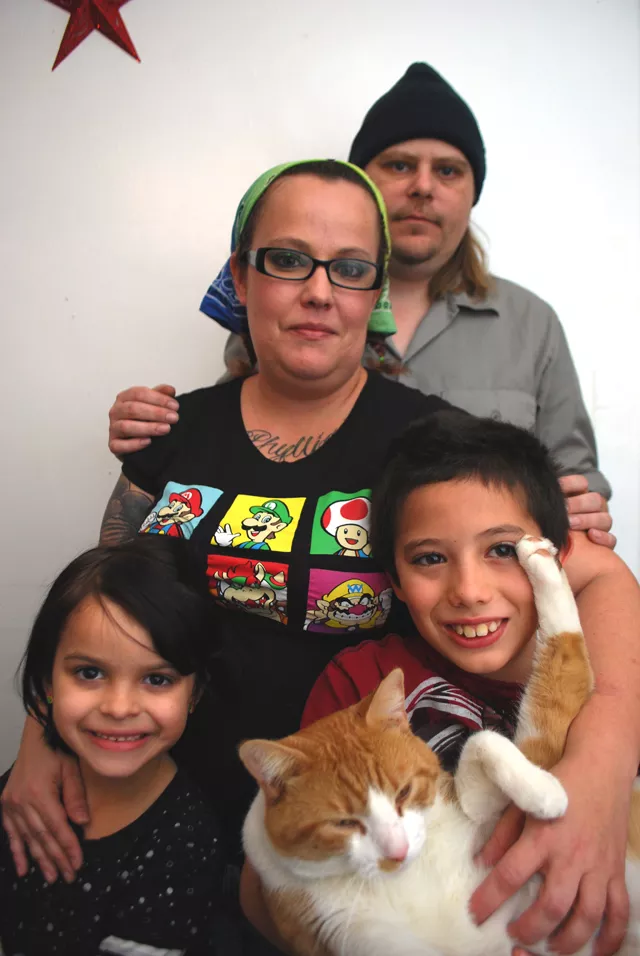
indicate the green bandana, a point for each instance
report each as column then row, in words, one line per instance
column 381, row 320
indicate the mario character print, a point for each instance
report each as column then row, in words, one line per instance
column 337, row 601
column 341, row 524
column 256, row 586
column 259, row 524
column 180, row 510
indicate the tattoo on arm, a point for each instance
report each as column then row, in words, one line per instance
column 273, row 448
column 125, row 512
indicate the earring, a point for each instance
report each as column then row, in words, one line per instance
column 192, row 707
column 49, row 699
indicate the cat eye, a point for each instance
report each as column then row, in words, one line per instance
column 348, row 823
column 404, row 793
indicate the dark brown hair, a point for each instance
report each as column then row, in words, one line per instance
column 327, row 169
column 451, row 445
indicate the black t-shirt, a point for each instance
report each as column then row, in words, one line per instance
column 284, row 545
column 155, row 883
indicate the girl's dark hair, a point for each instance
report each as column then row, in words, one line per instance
column 152, row 579
column 453, row 446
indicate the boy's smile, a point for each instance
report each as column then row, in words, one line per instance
column 481, row 631
column 460, row 577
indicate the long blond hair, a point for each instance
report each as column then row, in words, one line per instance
column 466, row 271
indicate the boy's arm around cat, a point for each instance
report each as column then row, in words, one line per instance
column 255, row 909
column 582, row 856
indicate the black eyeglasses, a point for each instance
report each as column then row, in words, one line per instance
column 292, row 265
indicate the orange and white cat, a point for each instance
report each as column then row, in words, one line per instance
column 365, row 846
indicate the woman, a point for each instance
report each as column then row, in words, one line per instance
column 269, row 478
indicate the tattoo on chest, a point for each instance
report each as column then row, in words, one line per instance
column 274, row 448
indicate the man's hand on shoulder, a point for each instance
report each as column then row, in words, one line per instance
column 588, row 510
column 140, row 414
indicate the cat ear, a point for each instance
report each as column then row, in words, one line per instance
column 271, row 763
column 387, row 703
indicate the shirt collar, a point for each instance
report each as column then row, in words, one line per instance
column 490, row 303
column 471, row 683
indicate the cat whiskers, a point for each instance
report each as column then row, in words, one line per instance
column 350, row 914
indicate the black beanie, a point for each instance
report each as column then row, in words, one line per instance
column 421, row 106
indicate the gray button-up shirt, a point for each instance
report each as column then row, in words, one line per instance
column 507, row 357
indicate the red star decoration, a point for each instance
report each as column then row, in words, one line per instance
column 89, row 15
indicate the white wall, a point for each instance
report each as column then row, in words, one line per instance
column 119, row 182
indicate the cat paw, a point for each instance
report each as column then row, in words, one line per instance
column 538, row 558
column 552, row 801
column 548, row 801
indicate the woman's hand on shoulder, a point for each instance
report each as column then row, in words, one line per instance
column 581, row 858
column 140, row 414
column 588, row 510
column 33, row 815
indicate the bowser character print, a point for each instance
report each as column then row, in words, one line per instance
column 338, row 602
column 259, row 587
column 180, row 509
column 341, row 525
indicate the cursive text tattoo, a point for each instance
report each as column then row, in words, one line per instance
column 273, row 448
column 126, row 510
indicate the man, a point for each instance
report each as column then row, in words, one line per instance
column 481, row 342
column 485, row 344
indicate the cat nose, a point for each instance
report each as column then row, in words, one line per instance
column 399, row 854
column 395, row 847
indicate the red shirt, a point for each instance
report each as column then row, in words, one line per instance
column 444, row 704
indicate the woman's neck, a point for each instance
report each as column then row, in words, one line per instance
column 286, row 425
column 115, row 802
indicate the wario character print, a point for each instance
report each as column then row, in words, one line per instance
column 180, row 509
column 259, row 524
column 256, row 586
column 336, row 601
column 341, row 525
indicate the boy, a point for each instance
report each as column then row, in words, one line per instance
column 456, row 495
column 458, row 492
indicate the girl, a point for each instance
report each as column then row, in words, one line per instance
column 115, row 663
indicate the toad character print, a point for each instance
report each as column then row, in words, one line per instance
column 341, row 524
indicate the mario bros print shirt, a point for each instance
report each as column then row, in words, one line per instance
column 286, row 541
